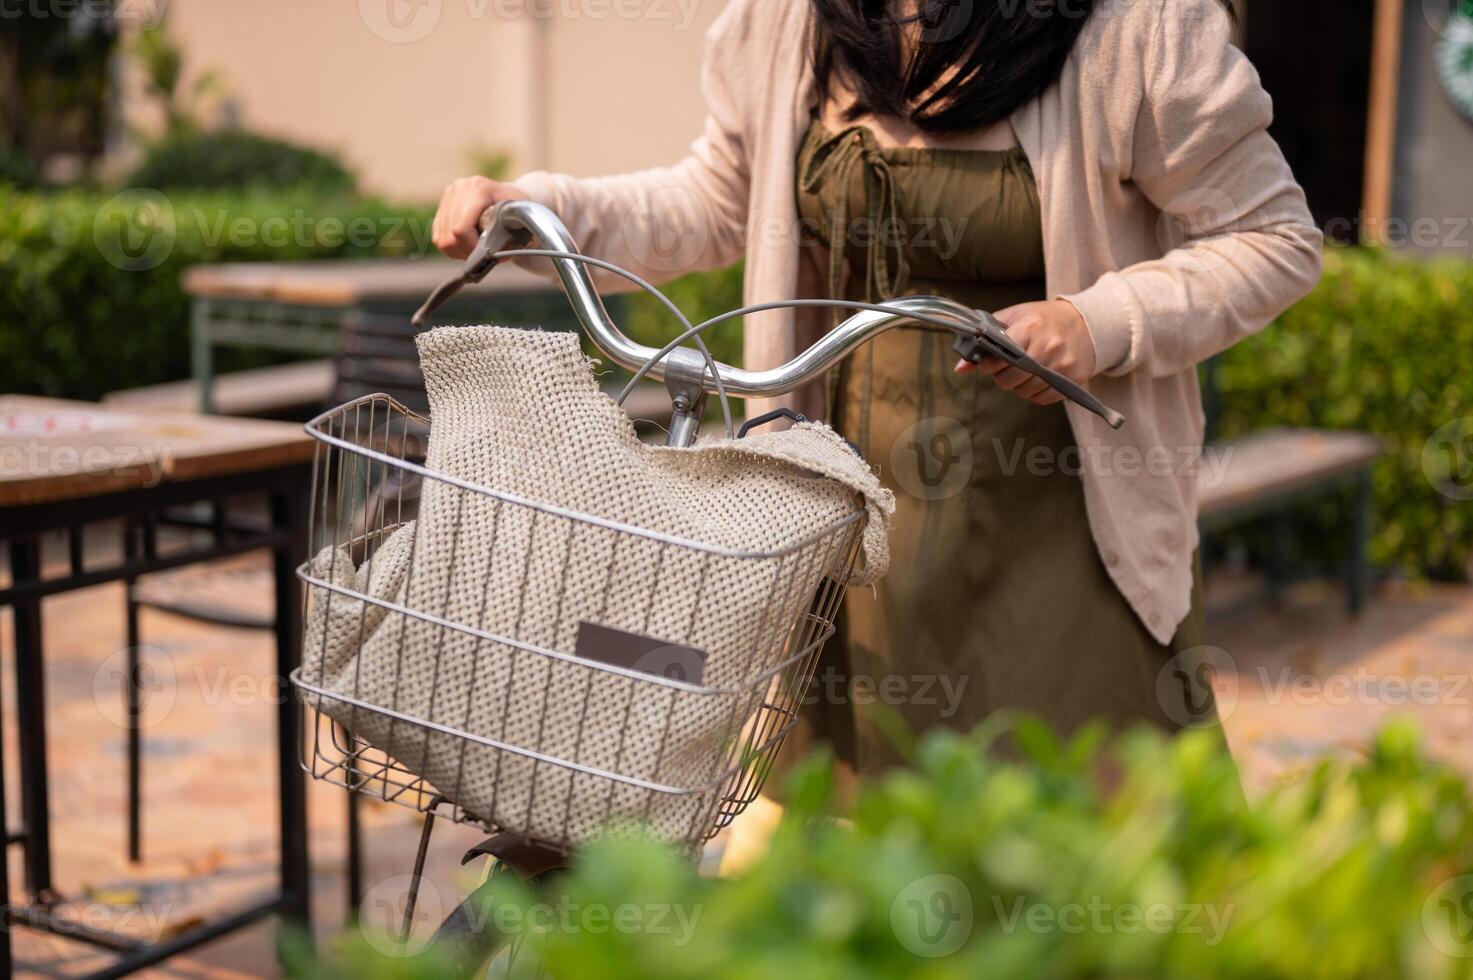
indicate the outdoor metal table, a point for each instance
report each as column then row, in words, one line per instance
column 298, row 306
column 66, row 465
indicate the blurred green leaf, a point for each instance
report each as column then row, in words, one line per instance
column 1029, row 864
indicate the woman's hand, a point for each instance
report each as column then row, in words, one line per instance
column 1054, row 334
column 455, row 231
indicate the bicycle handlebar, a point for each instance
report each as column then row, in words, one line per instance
column 512, row 224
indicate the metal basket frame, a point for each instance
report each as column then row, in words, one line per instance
column 358, row 456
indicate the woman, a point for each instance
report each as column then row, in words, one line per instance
column 1103, row 180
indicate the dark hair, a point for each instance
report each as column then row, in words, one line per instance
column 994, row 56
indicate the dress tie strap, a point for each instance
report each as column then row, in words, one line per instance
column 835, row 159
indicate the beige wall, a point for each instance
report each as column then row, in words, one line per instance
column 586, row 86
column 625, row 93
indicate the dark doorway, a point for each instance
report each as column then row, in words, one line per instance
column 1314, row 57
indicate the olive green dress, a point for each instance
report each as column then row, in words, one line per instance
column 996, row 596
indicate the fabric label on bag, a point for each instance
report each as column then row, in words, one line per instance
column 642, row 653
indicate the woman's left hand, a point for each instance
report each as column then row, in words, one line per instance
column 1054, row 334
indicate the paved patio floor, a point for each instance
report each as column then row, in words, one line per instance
column 1310, row 681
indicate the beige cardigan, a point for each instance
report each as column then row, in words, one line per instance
column 1170, row 217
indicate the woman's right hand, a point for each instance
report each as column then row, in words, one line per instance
column 456, row 229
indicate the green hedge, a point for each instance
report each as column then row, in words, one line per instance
column 237, row 159
column 699, row 296
column 969, row 866
column 16, row 172
column 1385, row 345
column 90, row 294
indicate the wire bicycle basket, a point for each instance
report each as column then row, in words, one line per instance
column 539, row 667
column 532, row 622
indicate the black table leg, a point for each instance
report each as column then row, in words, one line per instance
column 287, row 514
column 133, row 707
column 1276, row 563
column 30, row 716
column 355, row 857
column 22, row 527
column 1360, row 532
column 6, row 969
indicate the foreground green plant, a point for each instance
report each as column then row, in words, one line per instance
column 972, row 866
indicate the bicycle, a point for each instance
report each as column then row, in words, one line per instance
column 370, row 478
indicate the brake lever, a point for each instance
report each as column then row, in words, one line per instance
column 992, row 340
column 495, row 237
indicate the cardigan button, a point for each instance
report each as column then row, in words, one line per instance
column 1111, row 559
column 1154, row 619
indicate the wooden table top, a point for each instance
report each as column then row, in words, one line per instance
column 350, row 282
column 52, row 449
column 1278, row 461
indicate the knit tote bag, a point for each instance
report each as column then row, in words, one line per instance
column 555, row 519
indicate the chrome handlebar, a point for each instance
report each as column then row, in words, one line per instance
column 512, row 224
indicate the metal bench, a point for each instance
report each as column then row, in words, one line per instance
column 1265, row 474
column 1268, row 472
column 276, row 391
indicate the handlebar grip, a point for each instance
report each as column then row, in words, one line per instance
column 1080, row 396
column 495, row 236
column 995, row 343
